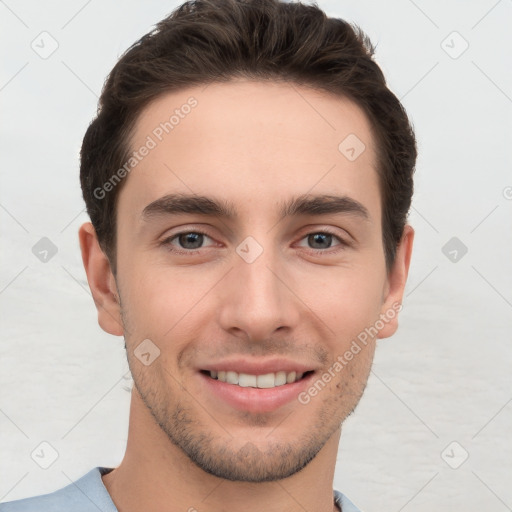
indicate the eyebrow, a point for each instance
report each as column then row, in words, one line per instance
column 307, row 204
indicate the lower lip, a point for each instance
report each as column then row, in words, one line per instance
column 256, row 400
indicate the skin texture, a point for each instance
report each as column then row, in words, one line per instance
column 256, row 145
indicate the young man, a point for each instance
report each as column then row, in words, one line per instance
column 248, row 179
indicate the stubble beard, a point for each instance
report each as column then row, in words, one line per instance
column 224, row 456
column 211, row 447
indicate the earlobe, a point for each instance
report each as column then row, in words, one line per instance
column 395, row 284
column 101, row 281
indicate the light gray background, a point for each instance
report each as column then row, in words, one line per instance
column 444, row 377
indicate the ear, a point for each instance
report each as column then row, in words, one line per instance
column 101, row 281
column 395, row 284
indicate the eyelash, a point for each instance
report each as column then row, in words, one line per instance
column 167, row 242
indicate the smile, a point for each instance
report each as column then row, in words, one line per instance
column 266, row 381
column 255, row 385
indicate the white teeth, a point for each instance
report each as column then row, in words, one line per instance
column 245, row 380
column 232, row 377
column 280, row 378
column 266, row 381
column 291, row 377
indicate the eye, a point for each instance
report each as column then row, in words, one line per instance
column 319, row 241
column 187, row 240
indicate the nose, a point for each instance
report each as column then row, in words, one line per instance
column 257, row 298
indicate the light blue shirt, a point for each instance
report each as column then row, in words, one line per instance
column 89, row 494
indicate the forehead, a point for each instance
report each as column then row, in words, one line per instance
column 254, row 143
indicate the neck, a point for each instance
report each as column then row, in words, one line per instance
column 156, row 475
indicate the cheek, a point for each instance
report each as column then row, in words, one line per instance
column 162, row 301
column 348, row 299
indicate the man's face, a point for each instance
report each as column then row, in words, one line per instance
column 257, row 293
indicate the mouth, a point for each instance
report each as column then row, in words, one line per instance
column 265, row 381
column 257, row 389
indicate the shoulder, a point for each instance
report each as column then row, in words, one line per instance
column 87, row 494
column 343, row 503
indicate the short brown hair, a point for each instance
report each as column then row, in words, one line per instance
column 205, row 41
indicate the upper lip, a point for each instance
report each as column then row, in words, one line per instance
column 254, row 366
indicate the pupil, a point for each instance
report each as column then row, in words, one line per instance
column 323, row 239
column 195, row 240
